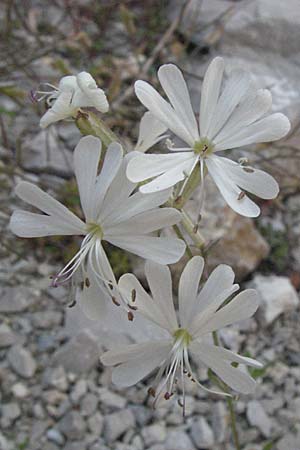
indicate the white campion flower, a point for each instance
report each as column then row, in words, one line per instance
column 231, row 117
column 73, row 93
column 113, row 213
column 151, row 132
column 185, row 336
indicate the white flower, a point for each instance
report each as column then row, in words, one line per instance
column 150, row 133
column 113, row 213
column 235, row 116
column 73, row 92
column 200, row 313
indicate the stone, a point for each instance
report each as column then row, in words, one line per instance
column 220, row 421
column 46, row 319
column 78, row 391
column 257, row 417
column 202, row 434
column 55, row 377
column 80, row 354
column 20, row 390
column 288, row 442
column 177, row 440
column 7, row 336
column 89, row 404
column 95, row 423
column 4, row 443
column 21, row 361
column 277, row 296
column 16, row 299
column 117, row 424
column 72, row 425
column 111, row 399
column 76, row 445
column 55, row 436
column 154, row 433
column 9, row 413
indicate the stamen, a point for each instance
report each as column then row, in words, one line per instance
column 133, row 295
column 241, row 195
column 151, row 391
column 115, row 301
column 130, row 316
column 248, row 169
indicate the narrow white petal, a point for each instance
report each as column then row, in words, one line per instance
column 86, row 159
column 255, row 181
column 252, row 108
column 188, row 289
column 232, row 376
column 61, row 109
column 150, row 133
column 93, row 96
column 33, row 195
column 175, row 87
column 268, row 129
column 160, row 284
column 111, row 166
column 136, row 204
column 142, row 360
column 241, row 307
column 68, row 84
column 210, row 93
column 162, row 110
column 235, row 89
column 27, row 224
column 143, row 167
column 163, row 250
column 144, row 223
column 229, row 190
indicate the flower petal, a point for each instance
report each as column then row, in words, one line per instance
column 210, row 93
column 268, row 129
column 230, row 191
column 86, row 159
column 61, row 109
column 188, row 289
column 136, row 361
column 68, row 83
column 145, row 222
column 175, row 87
column 163, row 250
column 150, row 132
column 33, row 195
column 92, row 95
column 160, row 284
column 162, row 110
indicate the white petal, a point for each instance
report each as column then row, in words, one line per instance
column 143, row 167
column 86, row 159
column 36, row 197
column 27, row 224
column 162, row 110
column 188, row 289
column 111, row 166
column 137, row 361
column 268, row 129
column 229, row 190
column 61, row 109
column 68, row 83
column 136, row 204
column 252, row 108
column 145, row 222
column 235, row 89
column 150, row 132
column 175, row 87
column 160, row 284
column 210, row 93
column 93, row 96
column 232, row 376
column 241, row 307
column 257, row 182
column 162, row 250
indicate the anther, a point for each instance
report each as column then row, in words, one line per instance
column 180, row 403
column 133, row 295
column 110, row 285
column 81, row 285
column 114, row 300
column 72, row 304
column 87, row 282
column 130, row 316
column 241, row 195
column 167, row 396
column 248, row 169
column 134, row 308
column 151, row 391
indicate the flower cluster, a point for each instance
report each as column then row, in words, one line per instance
column 130, row 203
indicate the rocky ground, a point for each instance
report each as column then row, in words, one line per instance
column 54, row 393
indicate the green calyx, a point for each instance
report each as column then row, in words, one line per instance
column 95, row 230
column 204, row 147
column 183, row 335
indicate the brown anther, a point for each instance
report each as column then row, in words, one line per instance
column 81, row 285
column 195, row 229
column 134, row 308
column 87, row 282
column 189, row 375
column 133, row 295
column 193, row 380
column 130, row 316
column 110, row 285
column 167, row 396
column 114, row 300
column 241, row 195
column 151, row 391
column 205, row 148
column 180, row 403
column 73, row 303
column 81, row 114
column 248, row 169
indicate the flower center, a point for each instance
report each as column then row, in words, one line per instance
column 183, row 336
column 204, row 147
column 94, row 229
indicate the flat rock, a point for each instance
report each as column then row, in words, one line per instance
column 177, row 440
column 202, row 434
column 7, row 336
column 9, row 413
column 21, row 361
column 95, row 423
column 117, row 424
column 72, row 425
column 80, row 354
column 16, row 299
column 154, row 433
column 277, row 296
column 257, row 417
